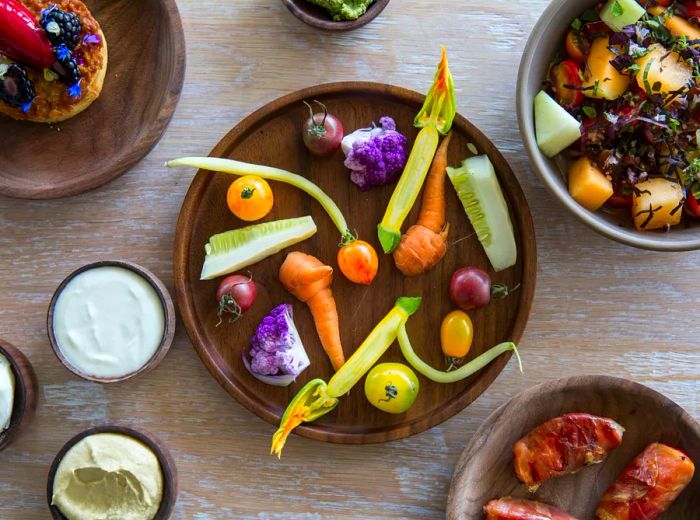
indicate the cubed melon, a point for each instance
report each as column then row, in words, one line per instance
column 666, row 71
column 555, row 128
column 657, row 203
column 588, row 185
column 601, row 79
column 620, row 13
column 677, row 25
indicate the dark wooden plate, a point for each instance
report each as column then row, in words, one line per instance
column 25, row 393
column 158, row 447
column 272, row 135
column 143, row 83
column 318, row 17
column 485, row 469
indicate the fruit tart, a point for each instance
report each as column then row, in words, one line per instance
column 53, row 59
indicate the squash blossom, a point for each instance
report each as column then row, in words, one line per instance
column 317, row 398
column 435, row 118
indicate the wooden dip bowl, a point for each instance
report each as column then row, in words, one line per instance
column 318, row 17
column 25, row 393
column 168, row 311
column 167, row 465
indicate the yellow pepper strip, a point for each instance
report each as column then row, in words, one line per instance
column 316, row 398
column 434, row 118
column 455, row 375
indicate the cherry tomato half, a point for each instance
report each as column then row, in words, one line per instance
column 250, row 198
column 391, row 387
column 664, row 3
column 565, row 80
column 576, row 47
column 692, row 9
column 692, row 206
column 358, row 261
column 456, row 334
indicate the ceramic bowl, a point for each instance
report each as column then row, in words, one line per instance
column 545, row 40
column 25, row 393
column 167, row 465
column 319, row 17
column 168, row 312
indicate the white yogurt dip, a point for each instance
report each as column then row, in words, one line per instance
column 7, row 392
column 108, row 322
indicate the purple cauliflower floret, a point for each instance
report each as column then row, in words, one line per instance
column 275, row 348
column 377, row 155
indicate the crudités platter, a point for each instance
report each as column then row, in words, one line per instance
column 485, row 470
column 272, row 136
column 144, row 78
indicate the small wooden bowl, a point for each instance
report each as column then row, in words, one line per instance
column 25, row 393
column 485, row 469
column 318, row 17
column 145, row 74
column 168, row 311
column 167, row 465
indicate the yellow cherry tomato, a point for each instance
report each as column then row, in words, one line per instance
column 358, row 261
column 456, row 334
column 391, row 387
column 250, row 198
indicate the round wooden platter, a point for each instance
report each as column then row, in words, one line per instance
column 485, row 469
column 158, row 447
column 318, row 17
column 272, row 136
column 144, row 79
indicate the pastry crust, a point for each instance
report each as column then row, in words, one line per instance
column 53, row 103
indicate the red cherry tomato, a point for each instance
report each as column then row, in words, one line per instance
column 470, row 288
column 620, row 200
column 577, row 47
column 236, row 294
column 323, row 132
column 692, row 9
column 664, row 3
column 565, row 80
column 358, row 261
column 21, row 37
column 692, row 206
column 598, row 28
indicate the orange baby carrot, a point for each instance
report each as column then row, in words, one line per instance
column 309, row 280
column 424, row 244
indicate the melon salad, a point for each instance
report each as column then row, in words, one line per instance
column 621, row 105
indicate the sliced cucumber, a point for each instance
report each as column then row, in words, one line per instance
column 620, row 13
column 478, row 189
column 555, row 128
column 233, row 250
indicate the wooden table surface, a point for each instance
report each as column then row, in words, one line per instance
column 600, row 307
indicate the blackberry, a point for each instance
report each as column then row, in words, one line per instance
column 61, row 28
column 66, row 65
column 16, row 89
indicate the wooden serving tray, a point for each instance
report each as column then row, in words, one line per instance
column 272, row 136
column 144, row 79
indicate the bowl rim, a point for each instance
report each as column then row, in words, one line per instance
column 328, row 24
column 168, row 314
column 538, row 162
column 160, row 450
column 25, row 396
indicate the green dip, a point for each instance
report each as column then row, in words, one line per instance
column 344, row 9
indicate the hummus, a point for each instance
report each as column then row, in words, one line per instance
column 7, row 392
column 344, row 9
column 108, row 476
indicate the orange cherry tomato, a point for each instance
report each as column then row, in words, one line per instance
column 576, row 47
column 358, row 261
column 250, row 198
column 456, row 334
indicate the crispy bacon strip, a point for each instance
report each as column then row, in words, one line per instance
column 648, row 485
column 564, row 445
column 519, row 509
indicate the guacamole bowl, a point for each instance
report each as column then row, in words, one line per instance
column 546, row 39
column 320, row 18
